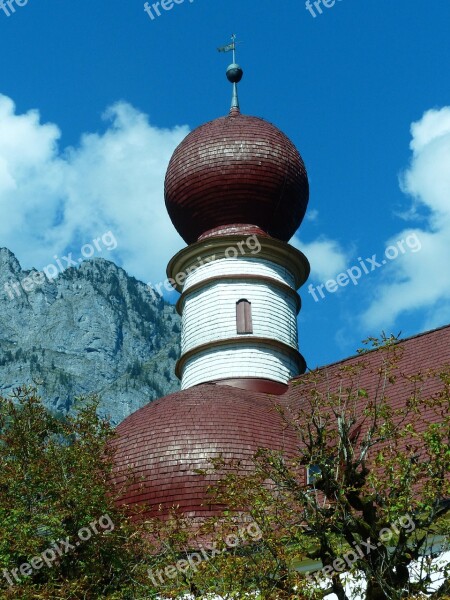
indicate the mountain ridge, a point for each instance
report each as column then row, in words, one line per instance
column 91, row 330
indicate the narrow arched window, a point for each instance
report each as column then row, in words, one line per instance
column 244, row 316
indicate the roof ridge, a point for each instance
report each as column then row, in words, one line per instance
column 400, row 341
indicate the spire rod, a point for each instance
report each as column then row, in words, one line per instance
column 234, row 72
column 233, row 39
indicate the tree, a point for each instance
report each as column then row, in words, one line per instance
column 377, row 502
column 62, row 536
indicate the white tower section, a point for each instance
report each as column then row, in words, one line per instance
column 239, row 308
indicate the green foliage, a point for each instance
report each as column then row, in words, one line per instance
column 384, row 477
column 135, row 370
column 173, row 353
column 55, row 479
column 64, row 379
column 378, row 467
column 6, row 358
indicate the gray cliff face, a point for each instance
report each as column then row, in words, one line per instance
column 92, row 330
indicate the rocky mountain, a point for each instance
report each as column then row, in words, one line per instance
column 93, row 329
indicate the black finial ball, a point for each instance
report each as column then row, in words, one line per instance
column 234, row 73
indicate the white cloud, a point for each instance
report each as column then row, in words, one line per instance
column 53, row 200
column 312, row 215
column 326, row 257
column 422, row 280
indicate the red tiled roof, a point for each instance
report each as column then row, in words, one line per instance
column 420, row 353
column 167, row 440
column 164, row 442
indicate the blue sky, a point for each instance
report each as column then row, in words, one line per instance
column 95, row 97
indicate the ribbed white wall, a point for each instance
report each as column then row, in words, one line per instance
column 237, row 361
column 239, row 266
column 209, row 313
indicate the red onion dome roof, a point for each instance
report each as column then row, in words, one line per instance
column 163, row 443
column 236, row 170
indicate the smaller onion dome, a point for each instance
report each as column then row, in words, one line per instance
column 236, row 170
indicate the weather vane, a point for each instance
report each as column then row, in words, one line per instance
column 234, row 71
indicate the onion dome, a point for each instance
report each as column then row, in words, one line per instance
column 166, row 441
column 236, row 170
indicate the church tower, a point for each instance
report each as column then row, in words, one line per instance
column 236, row 190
